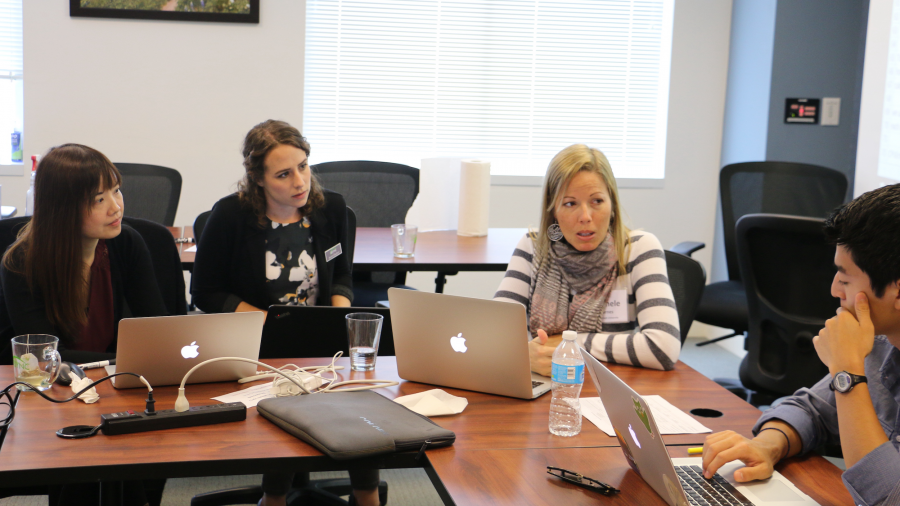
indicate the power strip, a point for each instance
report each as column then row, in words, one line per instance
column 129, row 422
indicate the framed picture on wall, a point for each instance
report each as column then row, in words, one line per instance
column 223, row 11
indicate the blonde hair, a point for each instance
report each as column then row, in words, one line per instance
column 562, row 169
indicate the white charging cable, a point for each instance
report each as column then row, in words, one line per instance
column 290, row 378
column 312, row 379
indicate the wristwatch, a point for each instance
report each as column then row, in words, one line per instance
column 843, row 382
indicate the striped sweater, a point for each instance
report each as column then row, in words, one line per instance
column 650, row 338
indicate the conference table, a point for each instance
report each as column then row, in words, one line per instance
column 442, row 250
column 500, row 455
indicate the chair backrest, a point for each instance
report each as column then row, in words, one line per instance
column 795, row 189
column 199, row 224
column 166, row 262
column 151, row 192
column 9, row 230
column 351, row 234
column 381, row 193
column 787, row 267
column 687, row 277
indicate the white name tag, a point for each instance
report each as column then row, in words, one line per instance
column 616, row 307
column 333, row 253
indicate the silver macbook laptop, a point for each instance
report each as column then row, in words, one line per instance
column 679, row 481
column 459, row 342
column 163, row 349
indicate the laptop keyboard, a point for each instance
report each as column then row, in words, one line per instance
column 703, row 492
column 535, row 384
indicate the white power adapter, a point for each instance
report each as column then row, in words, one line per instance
column 283, row 387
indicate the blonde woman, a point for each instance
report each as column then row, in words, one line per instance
column 584, row 270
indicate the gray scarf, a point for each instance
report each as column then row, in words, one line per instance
column 591, row 275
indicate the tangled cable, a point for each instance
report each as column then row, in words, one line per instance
column 286, row 379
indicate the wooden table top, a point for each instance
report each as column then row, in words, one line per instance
column 441, row 250
column 253, row 446
column 515, row 477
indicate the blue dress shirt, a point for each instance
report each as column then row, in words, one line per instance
column 813, row 414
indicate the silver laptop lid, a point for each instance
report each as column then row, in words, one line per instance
column 637, row 433
column 460, row 342
column 162, row 349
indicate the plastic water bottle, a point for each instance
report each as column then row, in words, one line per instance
column 568, row 377
column 29, row 195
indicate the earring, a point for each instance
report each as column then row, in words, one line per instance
column 554, row 233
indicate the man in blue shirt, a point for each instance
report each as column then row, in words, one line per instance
column 858, row 403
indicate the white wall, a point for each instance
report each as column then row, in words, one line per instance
column 184, row 94
column 176, row 94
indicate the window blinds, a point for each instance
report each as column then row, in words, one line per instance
column 510, row 81
column 10, row 38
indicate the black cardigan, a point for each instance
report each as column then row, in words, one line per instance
column 133, row 283
column 230, row 264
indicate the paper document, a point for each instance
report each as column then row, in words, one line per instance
column 249, row 396
column 669, row 419
column 192, row 249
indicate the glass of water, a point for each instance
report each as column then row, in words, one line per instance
column 35, row 360
column 404, row 240
column 363, row 333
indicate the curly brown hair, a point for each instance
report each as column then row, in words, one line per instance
column 260, row 140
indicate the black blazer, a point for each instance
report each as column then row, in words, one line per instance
column 133, row 284
column 230, row 264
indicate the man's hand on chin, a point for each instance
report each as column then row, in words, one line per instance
column 846, row 340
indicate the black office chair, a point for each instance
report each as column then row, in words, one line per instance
column 9, row 230
column 794, row 189
column 788, row 268
column 200, row 224
column 381, row 193
column 151, row 192
column 687, row 279
column 166, row 262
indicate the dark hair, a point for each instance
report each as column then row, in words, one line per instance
column 48, row 251
column 260, row 140
column 869, row 227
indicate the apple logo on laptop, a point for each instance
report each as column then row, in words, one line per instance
column 190, row 351
column 634, row 436
column 458, row 343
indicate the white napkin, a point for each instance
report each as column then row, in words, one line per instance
column 433, row 403
column 91, row 396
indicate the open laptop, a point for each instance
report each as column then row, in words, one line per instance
column 679, row 482
column 316, row 331
column 460, row 342
column 163, row 349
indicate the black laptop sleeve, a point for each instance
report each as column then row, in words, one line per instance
column 348, row 425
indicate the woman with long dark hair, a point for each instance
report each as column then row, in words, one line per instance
column 75, row 266
column 73, row 269
column 281, row 239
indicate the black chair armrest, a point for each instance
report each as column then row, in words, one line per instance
column 687, row 247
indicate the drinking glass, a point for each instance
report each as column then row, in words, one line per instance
column 364, row 334
column 36, row 360
column 404, row 240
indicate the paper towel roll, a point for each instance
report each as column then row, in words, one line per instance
column 474, row 198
